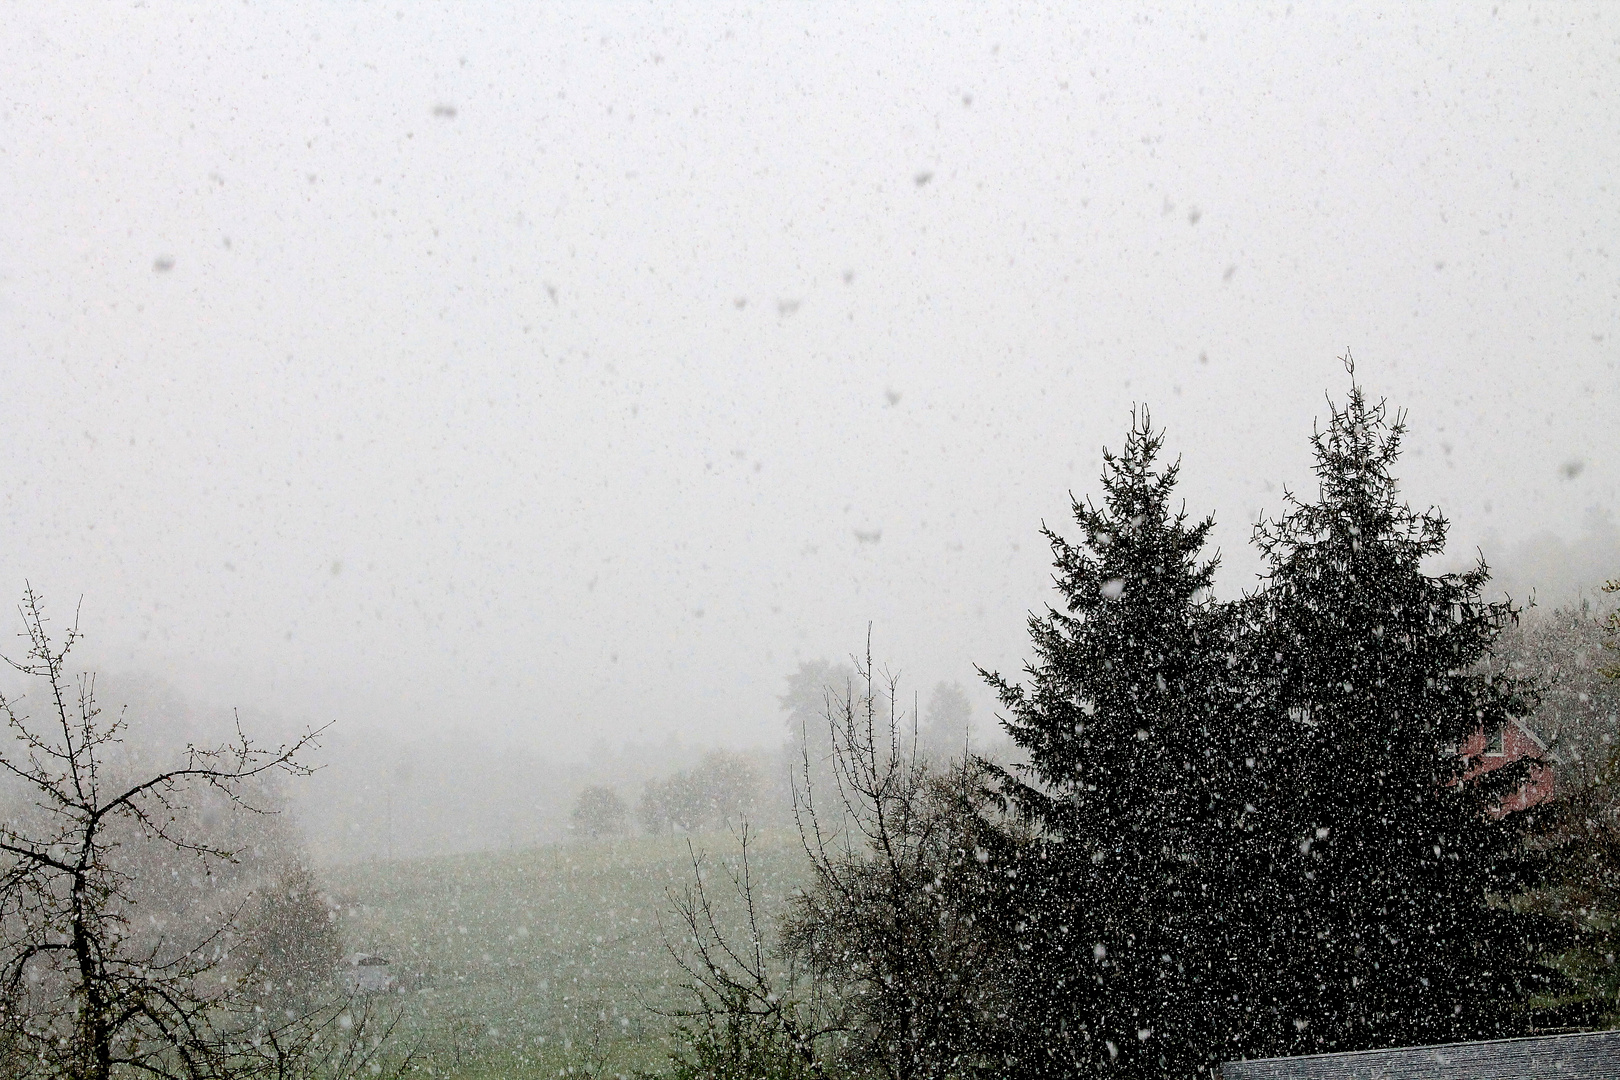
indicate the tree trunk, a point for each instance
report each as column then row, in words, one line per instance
column 93, row 1055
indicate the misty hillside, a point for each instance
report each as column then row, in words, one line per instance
column 836, row 541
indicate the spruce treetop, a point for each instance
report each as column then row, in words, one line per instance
column 1119, row 715
column 1109, row 665
column 1381, row 927
column 1359, row 630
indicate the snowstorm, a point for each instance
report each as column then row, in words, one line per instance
column 808, row 541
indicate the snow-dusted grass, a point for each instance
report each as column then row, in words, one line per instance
column 527, row 963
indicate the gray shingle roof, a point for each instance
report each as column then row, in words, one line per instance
column 1591, row 1056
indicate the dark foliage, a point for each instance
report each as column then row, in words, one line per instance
column 1252, row 836
column 1581, row 836
column 1123, row 718
column 1382, row 915
column 1611, row 632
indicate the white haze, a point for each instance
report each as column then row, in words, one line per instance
column 565, row 375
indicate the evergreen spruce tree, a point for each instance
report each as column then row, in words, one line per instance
column 1112, row 903
column 1384, row 874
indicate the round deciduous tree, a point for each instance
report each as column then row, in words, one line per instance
column 291, row 939
column 598, row 812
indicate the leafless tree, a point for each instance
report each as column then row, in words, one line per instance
column 90, row 990
column 339, row 1040
column 1563, row 652
column 1611, row 630
column 754, row 1010
column 884, row 962
column 901, row 899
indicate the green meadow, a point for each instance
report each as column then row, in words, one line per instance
column 545, row 962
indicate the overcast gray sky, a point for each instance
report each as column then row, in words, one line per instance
column 573, row 372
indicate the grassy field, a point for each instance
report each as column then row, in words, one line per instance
column 537, row 963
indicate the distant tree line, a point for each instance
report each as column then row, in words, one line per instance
column 940, row 732
column 721, row 790
column 1237, row 828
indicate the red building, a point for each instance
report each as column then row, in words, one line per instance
column 1512, row 742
